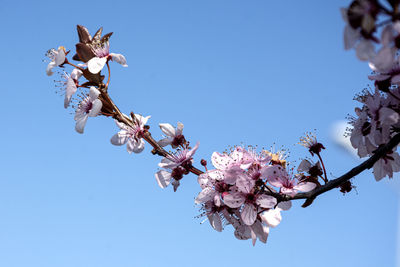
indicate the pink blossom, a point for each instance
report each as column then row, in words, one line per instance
column 245, row 195
column 213, row 187
column 131, row 135
column 57, row 58
column 70, row 85
column 178, row 164
column 101, row 50
column 386, row 165
column 173, row 137
column 88, row 107
column 278, row 177
column 231, row 164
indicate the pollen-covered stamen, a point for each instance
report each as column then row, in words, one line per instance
column 180, row 156
column 310, row 141
column 101, row 48
column 278, row 158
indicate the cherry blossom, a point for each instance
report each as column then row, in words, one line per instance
column 279, row 177
column 178, row 164
column 132, row 136
column 70, row 85
column 101, row 50
column 173, row 137
column 57, row 58
column 386, row 166
column 90, row 106
column 245, row 195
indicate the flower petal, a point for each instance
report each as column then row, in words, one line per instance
column 60, row 57
column 76, row 74
column 80, row 123
column 350, row 37
column 234, row 200
column 163, row 178
column 167, row 129
column 119, row 59
column 179, row 128
column 305, row 187
column 135, row 146
column 165, row 141
column 304, row 166
column 49, row 68
column 93, row 93
column 271, row 217
column 215, row 221
column 249, row 214
column 119, row 138
column 96, row 108
column 266, row 201
column 96, row 64
column 285, row 205
column 205, row 195
column 365, row 50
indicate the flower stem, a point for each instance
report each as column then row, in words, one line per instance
column 323, row 167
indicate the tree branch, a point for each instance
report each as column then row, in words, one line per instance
column 369, row 163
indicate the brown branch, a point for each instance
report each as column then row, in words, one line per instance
column 109, row 76
column 72, row 64
column 308, row 196
column 369, row 163
column 157, row 149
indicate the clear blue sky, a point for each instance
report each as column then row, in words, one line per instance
column 258, row 72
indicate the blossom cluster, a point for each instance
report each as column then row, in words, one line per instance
column 94, row 54
column 239, row 191
column 376, row 122
column 378, row 119
column 249, row 189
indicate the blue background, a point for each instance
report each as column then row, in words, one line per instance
column 257, row 72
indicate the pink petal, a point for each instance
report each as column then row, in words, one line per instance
column 216, row 175
column 179, row 128
column 215, row 221
column 285, row 205
column 165, row 141
column 351, row 36
column 163, row 178
column 305, row 187
column 233, row 200
column 119, row 59
column 205, row 195
column 80, row 123
column 266, row 201
column 96, row 64
column 50, row 67
column 60, row 57
column 93, row 93
column 365, row 50
column 119, row 138
column 249, row 214
column 271, row 217
column 220, row 161
column 304, row 166
column 96, row 108
column 167, row 129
